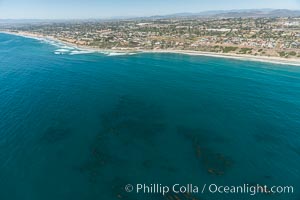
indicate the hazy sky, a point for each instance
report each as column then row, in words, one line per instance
column 66, row 9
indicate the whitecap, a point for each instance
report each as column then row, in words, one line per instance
column 62, row 50
column 119, row 54
column 77, row 52
column 67, row 47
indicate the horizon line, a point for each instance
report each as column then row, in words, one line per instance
column 146, row 16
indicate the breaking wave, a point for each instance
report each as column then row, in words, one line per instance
column 120, row 53
column 65, row 49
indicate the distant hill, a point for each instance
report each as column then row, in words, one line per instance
column 245, row 13
column 254, row 13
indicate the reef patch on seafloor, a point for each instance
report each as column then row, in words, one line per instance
column 214, row 163
column 134, row 119
column 130, row 127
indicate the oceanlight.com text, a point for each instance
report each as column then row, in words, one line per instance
column 208, row 188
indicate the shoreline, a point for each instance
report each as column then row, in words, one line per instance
column 265, row 59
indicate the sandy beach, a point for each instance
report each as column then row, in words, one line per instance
column 275, row 60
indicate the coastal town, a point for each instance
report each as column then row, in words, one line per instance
column 269, row 37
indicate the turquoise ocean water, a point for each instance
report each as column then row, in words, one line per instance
column 76, row 125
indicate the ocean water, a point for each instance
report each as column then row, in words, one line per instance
column 80, row 125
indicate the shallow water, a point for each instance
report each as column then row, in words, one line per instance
column 82, row 126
